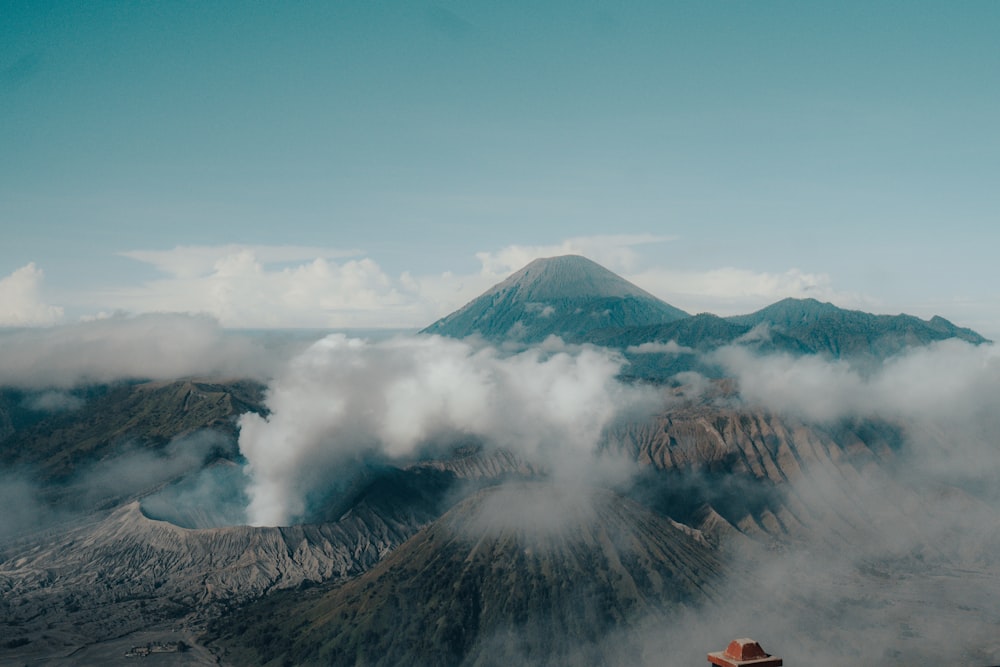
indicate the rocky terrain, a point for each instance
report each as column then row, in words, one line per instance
column 524, row 573
column 871, row 538
column 94, row 581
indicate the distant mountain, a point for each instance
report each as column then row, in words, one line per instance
column 568, row 296
column 521, row 574
column 582, row 302
column 825, row 328
column 791, row 326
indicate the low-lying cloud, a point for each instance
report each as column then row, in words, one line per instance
column 139, row 470
column 149, row 347
column 345, row 399
column 261, row 286
column 893, row 567
column 31, row 505
column 670, row 347
column 947, row 379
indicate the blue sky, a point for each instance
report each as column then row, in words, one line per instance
column 380, row 163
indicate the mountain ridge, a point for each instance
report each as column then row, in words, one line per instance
column 580, row 301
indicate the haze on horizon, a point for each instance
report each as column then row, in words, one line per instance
column 366, row 165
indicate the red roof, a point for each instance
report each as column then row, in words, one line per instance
column 744, row 653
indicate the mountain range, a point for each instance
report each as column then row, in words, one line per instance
column 581, row 302
column 717, row 515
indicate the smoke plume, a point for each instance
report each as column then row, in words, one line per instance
column 345, row 399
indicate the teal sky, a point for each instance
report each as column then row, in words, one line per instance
column 736, row 151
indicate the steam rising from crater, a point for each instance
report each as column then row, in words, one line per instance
column 345, row 400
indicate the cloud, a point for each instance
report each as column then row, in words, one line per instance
column 242, row 287
column 24, row 508
column 932, row 496
column 21, row 303
column 615, row 252
column 30, row 505
column 345, row 399
column 732, row 291
column 139, row 470
column 194, row 261
column 142, row 347
column 670, row 347
column 948, row 379
column 896, row 563
column 54, row 401
column 247, row 286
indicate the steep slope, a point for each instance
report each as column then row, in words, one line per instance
column 746, row 471
column 520, row 574
column 567, row 296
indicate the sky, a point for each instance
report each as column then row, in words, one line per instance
column 379, row 164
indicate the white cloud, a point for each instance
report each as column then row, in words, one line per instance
column 292, row 286
column 615, row 252
column 21, row 303
column 344, row 399
column 948, row 380
column 143, row 347
column 242, row 289
column 670, row 347
column 247, row 286
column 194, row 261
column 732, row 291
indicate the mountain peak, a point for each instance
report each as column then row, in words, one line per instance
column 568, row 277
column 567, row 295
column 790, row 311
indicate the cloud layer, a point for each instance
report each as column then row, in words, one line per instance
column 947, row 380
column 143, row 347
column 259, row 286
